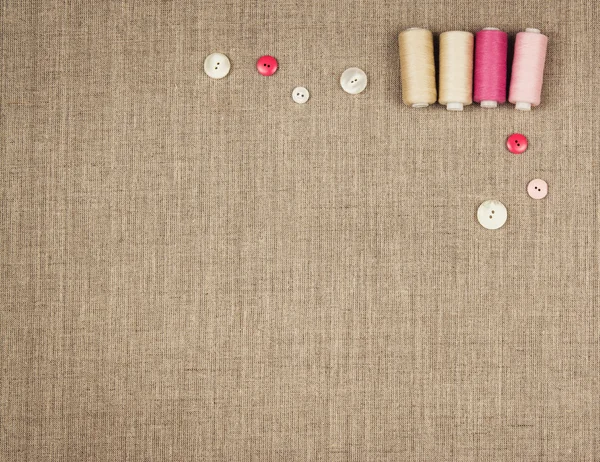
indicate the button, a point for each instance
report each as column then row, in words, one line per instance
column 492, row 214
column 353, row 80
column 217, row 65
column 300, row 95
column 266, row 65
column 537, row 189
column 517, row 143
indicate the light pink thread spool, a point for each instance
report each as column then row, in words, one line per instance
column 491, row 49
column 528, row 69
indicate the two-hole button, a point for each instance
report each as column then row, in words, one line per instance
column 353, row 80
column 492, row 214
column 300, row 95
column 537, row 189
column 266, row 65
column 517, row 143
column 217, row 65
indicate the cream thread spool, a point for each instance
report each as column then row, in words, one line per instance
column 528, row 69
column 456, row 70
column 417, row 67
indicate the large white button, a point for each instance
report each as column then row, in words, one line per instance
column 217, row 65
column 492, row 214
column 300, row 95
column 353, row 80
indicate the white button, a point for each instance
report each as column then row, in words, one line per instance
column 353, row 80
column 217, row 65
column 300, row 95
column 492, row 214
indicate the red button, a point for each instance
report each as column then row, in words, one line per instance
column 516, row 143
column 266, row 65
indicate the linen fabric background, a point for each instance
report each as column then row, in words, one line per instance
column 202, row 270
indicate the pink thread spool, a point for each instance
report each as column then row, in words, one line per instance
column 528, row 69
column 491, row 49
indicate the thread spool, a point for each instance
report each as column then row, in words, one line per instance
column 528, row 69
column 489, row 78
column 417, row 67
column 456, row 70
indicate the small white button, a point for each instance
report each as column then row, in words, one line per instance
column 353, row 80
column 492, row 214
column 300, row 95
column 217, row 65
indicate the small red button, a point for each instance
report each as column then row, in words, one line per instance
column 516, row 143
column 266, row 65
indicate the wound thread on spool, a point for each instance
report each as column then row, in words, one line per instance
column 417, row 67
column 456, row 70
column 489, row 78
column 528, row 69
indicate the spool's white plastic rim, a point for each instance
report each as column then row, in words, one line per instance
column 490, row 28
column 489, row 104
column 522, row 106
column 420, row 105
column 533, row 30
column 466, row 32
column 414, row 28
column 454, row 106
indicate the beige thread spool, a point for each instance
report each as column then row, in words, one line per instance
column 456, row 70
column 417, row 67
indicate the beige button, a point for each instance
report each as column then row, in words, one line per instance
column 217, row 65
column 492, row 214
column 353, row 80
column 300, row 95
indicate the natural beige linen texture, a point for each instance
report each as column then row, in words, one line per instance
column 201, row 270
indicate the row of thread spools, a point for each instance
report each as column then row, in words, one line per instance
column 472, row 68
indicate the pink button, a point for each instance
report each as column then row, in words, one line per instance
column 266, row 65
column 516, row 143
column 537, row 189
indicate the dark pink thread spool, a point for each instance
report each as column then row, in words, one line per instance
column 491, row 49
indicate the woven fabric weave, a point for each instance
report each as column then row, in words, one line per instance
column 203, row 270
